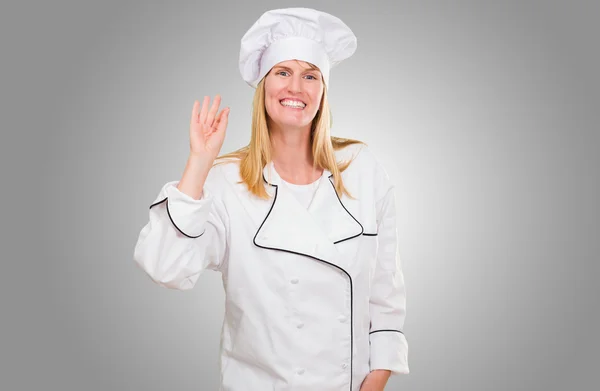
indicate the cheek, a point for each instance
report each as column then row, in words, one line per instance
column 271, row 106
column 316, row 96
column 271, row 101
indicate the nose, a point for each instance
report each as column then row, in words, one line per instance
column 295, row 84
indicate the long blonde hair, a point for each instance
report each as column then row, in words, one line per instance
column 254, row 156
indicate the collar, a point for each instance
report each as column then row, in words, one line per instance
column 313, row 232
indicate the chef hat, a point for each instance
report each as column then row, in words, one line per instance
column 294, row 34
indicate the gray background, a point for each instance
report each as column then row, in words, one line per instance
column 484, row 113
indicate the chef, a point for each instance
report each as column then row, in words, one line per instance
column 302, row 225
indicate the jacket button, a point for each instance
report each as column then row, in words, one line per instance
column 300, row 325
column 294, row 280
column 342, row 318
column 300, row 371
column 344, row 365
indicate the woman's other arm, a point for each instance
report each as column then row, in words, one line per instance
column 389, row 349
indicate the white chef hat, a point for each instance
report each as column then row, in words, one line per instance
column 294, row 34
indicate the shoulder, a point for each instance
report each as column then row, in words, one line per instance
column 367, row 167
column 223, row 174
column 362, row 158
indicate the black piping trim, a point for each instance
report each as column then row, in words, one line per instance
column 170, row 218
column 324, row 261
column 362, row 229
column 159, row 202
column 379, row 331
column 368, row 234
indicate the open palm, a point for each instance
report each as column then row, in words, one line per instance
column 207, row 129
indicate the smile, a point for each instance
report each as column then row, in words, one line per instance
column 294, row 104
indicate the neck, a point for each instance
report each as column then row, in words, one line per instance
column 292, row 154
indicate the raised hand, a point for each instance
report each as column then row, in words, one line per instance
column 207, row 128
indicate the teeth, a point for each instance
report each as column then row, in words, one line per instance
column 292, row 104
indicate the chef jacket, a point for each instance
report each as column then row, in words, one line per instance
column 314, row 298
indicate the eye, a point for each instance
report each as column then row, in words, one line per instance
column 280, row 72
column 313, row 77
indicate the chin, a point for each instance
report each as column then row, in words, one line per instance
column 292, row 124
column 287, row 121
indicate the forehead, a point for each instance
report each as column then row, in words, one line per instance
column 296, row 64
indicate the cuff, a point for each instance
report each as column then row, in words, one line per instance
column 389, row 350
column 187, row 214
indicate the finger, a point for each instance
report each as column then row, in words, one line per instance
column 215, row 128
column 204, row 110
column 213, row 110
column 194, row 119
column 223, row 120
column 217, row 121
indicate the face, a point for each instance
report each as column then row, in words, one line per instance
column 293, row 93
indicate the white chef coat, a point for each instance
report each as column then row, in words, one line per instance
column 315, row 296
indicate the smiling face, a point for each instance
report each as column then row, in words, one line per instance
column 293, row 91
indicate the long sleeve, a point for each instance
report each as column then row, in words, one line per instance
column 388, row 345
column 182, row 238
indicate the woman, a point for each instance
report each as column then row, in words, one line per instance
column 300, row 224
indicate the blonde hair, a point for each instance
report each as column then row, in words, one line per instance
column 254, row 156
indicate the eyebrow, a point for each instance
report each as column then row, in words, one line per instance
column 289, row 69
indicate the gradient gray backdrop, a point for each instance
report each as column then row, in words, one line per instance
column 485, row 114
